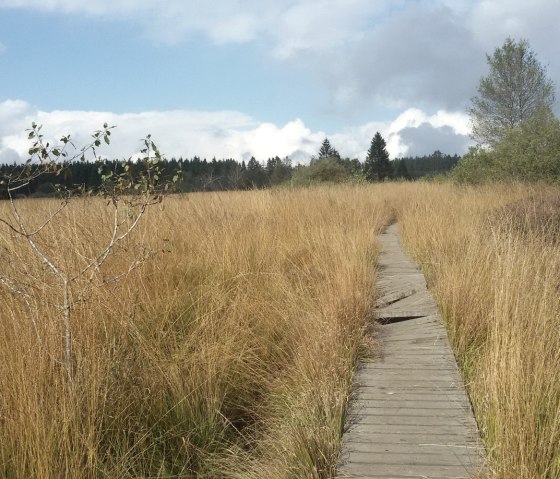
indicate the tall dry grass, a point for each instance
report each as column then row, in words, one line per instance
column 228, row 354
column 492, row 257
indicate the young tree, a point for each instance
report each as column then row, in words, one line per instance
column 377, row 166
column 128, row 194
column 516, row 87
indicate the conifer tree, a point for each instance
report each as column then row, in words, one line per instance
column 327, row 151
column 377, row 166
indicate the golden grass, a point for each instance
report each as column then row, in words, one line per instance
column 495, row 270
column 229, row 354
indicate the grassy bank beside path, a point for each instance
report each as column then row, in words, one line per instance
column 230, row 353
column 492, row 257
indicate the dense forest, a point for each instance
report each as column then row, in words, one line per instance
column 429, row 165
column 228, row 174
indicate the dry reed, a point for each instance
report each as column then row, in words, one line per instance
column 495, row 270
column 230, row 352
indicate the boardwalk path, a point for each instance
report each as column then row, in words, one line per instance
column 411, row 417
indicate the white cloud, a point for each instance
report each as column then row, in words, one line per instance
column 453, row 127
column 221, row 134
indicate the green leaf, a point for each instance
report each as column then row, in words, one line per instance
column 106, row 138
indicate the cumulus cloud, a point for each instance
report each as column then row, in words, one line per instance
column 418, row 57
column 425, row 54
column 228, row 134
column 223, row 134
column 421, row 140
column 412, row 133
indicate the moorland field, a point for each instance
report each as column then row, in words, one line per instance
column 230, row 351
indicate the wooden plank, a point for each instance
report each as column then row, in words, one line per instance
column 400, row 395
column 371, row 406
column 410, row 440
column 394, row 296
column 442, row 458
column 402, row 420
column 427, row 449
column 408, row 470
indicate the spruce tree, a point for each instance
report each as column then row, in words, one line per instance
column 327, row 151
column 377, row 166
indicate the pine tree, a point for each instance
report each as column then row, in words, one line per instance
column 377, row 166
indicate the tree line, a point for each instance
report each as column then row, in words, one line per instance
column 200, row 174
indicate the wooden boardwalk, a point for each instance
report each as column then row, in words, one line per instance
column 411, row 417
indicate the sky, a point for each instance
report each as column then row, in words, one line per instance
column 242, row 78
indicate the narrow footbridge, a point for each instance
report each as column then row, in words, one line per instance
column 411, row 416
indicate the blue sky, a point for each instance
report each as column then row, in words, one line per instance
column 239, row 78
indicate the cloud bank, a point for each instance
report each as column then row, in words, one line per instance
column 228, row 134
column 427, row 54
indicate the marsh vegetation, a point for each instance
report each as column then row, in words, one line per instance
column 230, row 352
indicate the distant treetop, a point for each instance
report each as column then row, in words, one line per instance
column 327, row 151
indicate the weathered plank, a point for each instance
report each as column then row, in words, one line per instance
column 410, row 417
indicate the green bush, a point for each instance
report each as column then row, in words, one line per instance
column 528, row 152
column 321, row 171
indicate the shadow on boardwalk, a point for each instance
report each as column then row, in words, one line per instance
column 411, row 417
